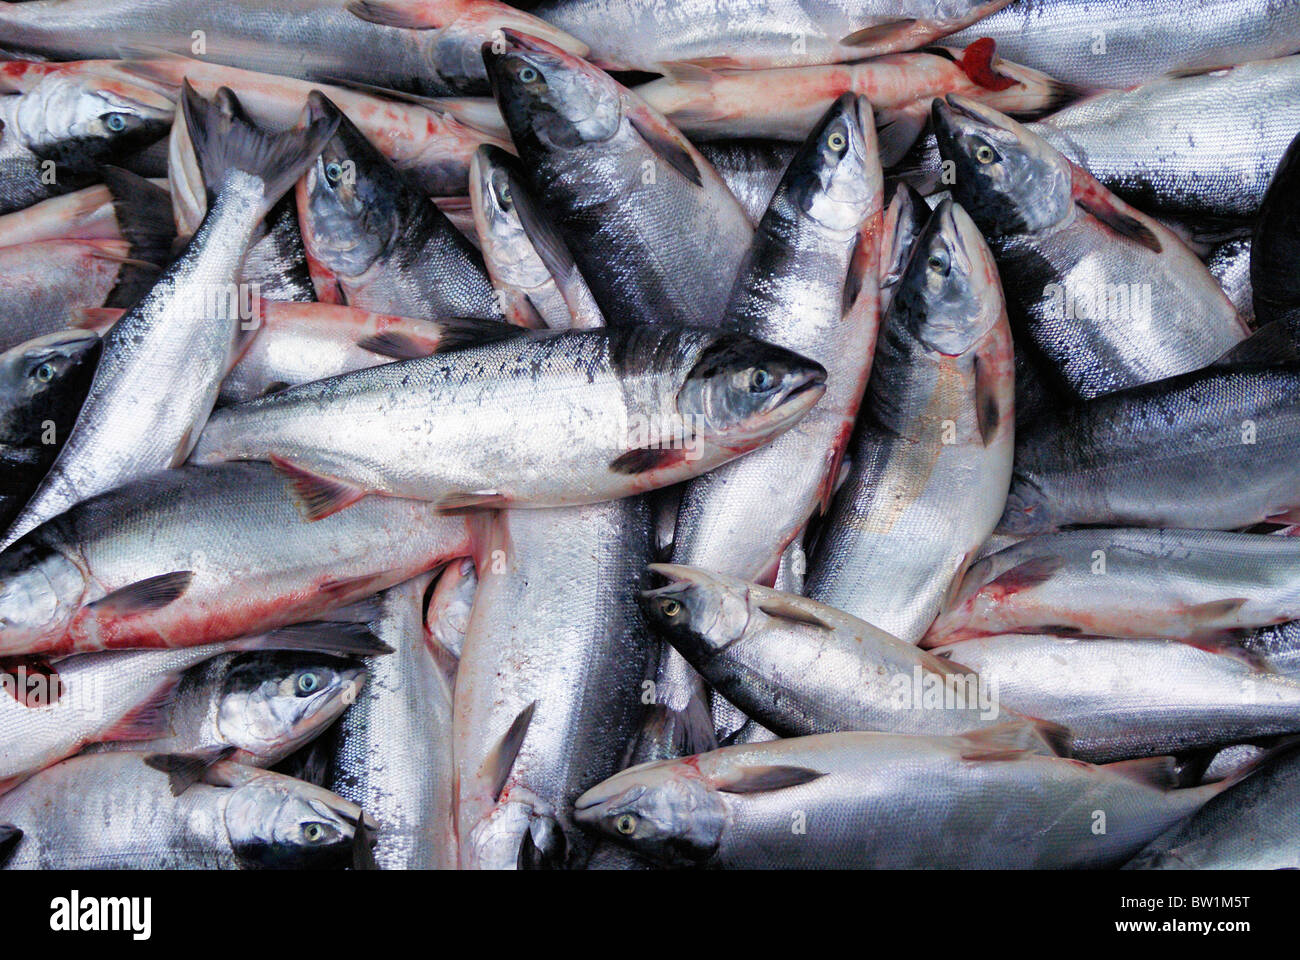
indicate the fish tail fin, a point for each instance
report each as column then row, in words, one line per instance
column 226, row 140
column 143, row 212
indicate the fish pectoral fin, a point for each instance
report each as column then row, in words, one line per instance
column 1031, row 573
column 988, row 413
column 186, row 769
column 317, row 496
column 16, row 675
column 471, row 500
column 646, row 459
column 398, row 346
column 395, row 15
column 764, row 779
column 780, row 608
column 547, row 242
column 496, row 767
column 1158, row 772
column 1214, row 610
column 668, row 148
column 9, row 838
column 1011, row 740
column 148, row 719
column 1121, row 222
column 153, row 593
column 341, row 638
column 881, row 32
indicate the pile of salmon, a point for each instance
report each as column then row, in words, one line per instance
column 626, row 434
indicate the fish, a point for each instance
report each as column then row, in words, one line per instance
column 42, row 385
column 610, row 413
column 316, row 40
column 990, row 799
column 808, row 283
column 144, row 700
column 1229, row 263
column 1275, row 294
column 168, row 811
column 57, row 127
column 385, row 246
column 1104, row 295
column 1209, row 449
column 1133, row 697
column 933, row 447
column 198, row 555
column 447, row 617
column 393, row 753
column 799, row 667
column 1245, row 828
column 785, row 104
column 734, row 34
column 1123, row 43
column 653, row 229
column 531, row 267
column 1097, row 582
column 188, row 322
column 46, row 285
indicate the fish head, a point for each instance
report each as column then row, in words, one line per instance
column 350, row 198
column 702, row 613
column 664, row 810
column 550, row 98
column 496, row 193
column 742, row 391
column 272, row 703
column 830, row 179
column 80, row 120
column 278, row 822
column 41, row 591
column 45, row 379
column 1008, row 178
column 905, row 218
column 949, row 296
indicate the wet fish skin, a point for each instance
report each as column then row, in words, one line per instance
column 1229, row 263
column 1107, row 296
column 654, row 230
column 393, row 754
column 1167, row 454
column 60, row 127
column 592, row 397
column 187, row 323
column 752, row 169
column 1122, row 43
column 236, row 817
column 799, row 667
column 932, row 451
column 387, row 248
column 880, row 800
column 1133, row 697
column 645, row 35
column 1276, row 240
column 808, row 284
column 42, row 385
column 1138, row 582
column 178, row 539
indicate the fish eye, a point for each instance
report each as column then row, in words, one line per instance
column 837, row 141
column 504, row 193
column 938, row 262
column 115, row 122
column 308, row 683
column 625, row 824
column 984, row 153
column 333, row 171
column 44, row 373
column 670, row 607
column 760, row 380
column 528, row 74
column 315, row 832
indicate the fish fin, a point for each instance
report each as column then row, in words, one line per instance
column 698, row 66
column 687, row 731
column 149, row 719
column 1272, row 343
column 645, row 459
column 471, row 500
column 225, row 139
column 668, row 147
column 98, row 319
column 547, row 242
column 897, row 130
column 1159, row 772
column 977, row 63
column 987, row 412
column 1050, row 739
column 543, row 846
column 316, row 496
column 497, row 765
column 186, row 769
column 394, row 15
column 1121, row 222
column 764, row 779
column 398, row 346
column 881, row 32
column 9, row 839
column 1030, row 573
column 340, row 638
column 1215, row 609
column 1227, row 643
column 1004, row 741
column 1183, row 73
column 461, row 332
column 16, row 674
column 359, row 586
column 782, row 609
column 444, row 661
column 153, row 593
column 143, row 211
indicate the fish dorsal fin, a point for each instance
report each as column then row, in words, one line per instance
column 764, row 779
column 1158, row 772
column 186, row 769
column 497, row 765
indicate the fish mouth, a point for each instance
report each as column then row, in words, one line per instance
column 585, row 807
